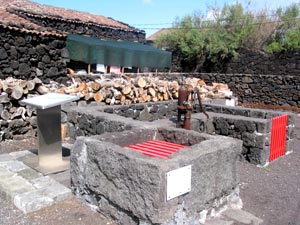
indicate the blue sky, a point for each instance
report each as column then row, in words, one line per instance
column 150, row 15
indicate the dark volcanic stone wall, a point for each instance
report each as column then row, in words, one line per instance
column 78, row 27
column 28, row 55
column 254, row 88
column 250, row 62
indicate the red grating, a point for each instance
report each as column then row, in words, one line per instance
column 157, row 148
column 278, row 137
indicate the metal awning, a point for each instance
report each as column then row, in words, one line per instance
column 119, row 53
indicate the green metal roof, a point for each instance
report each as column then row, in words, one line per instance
column 118, row 53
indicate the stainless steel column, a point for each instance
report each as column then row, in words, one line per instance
column 49, row 159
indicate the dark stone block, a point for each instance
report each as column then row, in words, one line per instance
column 248, row 139
column 24, row 69
column 52, row 72
column 46, row 59
column 109, row 110
column 83, row 122
column 221, row 126
column 3, row 54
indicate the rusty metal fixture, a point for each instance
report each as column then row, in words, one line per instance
column 185, row 106
column 202, row 108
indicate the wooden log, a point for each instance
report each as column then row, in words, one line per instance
column 60, row 90
column 122, row 99
column 70, row 90
column 19, row 112
column 98, row 97
column 30, row 110
column 7, row 89
column 166, row 96
column 126, row 90
column 152, row 92
column 117, row 84
column 25, row 91
column 88, row 96
column 95, row 86
column 42, row 89
column 37, row 80
column 17, row 92
column 141, row 91
column 154, row 99
column 116, row 93
column 5, row 115
column 22, row 83
column 141, row 82
column 108, row 100
column 4, row 98
column 82, row 86
column 30, row 85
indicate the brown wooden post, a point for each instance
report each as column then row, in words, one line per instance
column 89, row 68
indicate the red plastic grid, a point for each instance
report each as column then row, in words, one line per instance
column 278, row 137
column 157, row 148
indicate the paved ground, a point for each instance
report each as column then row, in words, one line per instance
column 271, row 193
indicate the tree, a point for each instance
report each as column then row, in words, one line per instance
column 287, row 34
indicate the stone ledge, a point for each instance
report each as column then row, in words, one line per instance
column 29, row 190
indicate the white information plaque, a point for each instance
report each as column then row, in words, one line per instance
column 179, row 182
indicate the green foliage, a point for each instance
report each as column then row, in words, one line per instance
column 217, row 39
column 233, row 28
column 287, row 34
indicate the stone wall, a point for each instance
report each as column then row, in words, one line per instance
column 145, row 111
column 252, row 126
column 267, row 89
column 25, row 55
column 77, row 27
column 258, row 62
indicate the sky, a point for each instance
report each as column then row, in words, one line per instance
column 152, row 15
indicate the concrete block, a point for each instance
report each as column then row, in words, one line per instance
column 51, row 188
column 242, row 217
column 32, row 201
column 13, row 165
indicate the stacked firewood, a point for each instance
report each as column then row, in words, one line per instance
column 122, row 90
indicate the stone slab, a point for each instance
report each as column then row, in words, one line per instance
column 5, row 157
column 32, row 201
column 15, row 185
column 4, row 174
column 51, row 188
column 29, row 174
column 13, row 165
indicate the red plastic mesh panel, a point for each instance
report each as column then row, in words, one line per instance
column 157, row 148
column 278, row 137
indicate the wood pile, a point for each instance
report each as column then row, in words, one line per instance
column 121, row 90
